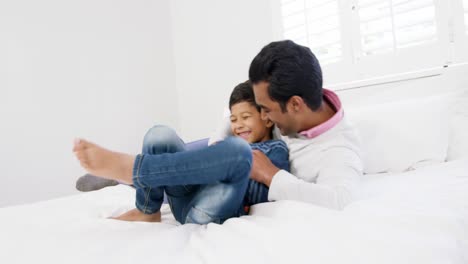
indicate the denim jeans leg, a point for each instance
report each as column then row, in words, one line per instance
column 218, row 163
column 158, row 140
column 179, row 196
column 222, row 170
column 216, row 203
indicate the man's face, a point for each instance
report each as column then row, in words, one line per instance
column 272, row 110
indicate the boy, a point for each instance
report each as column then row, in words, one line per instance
column 195, row 200
column 246, row 122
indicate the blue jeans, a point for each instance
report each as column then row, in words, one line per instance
column 202, row 186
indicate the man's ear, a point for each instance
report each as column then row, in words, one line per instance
column 268, row 123
column 295, row 103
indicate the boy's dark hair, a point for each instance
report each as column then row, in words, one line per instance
column 243, row 92
column 290, row 69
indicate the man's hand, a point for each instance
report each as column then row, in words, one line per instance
column 262, row 168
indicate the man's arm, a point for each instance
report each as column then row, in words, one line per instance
column 339, row 173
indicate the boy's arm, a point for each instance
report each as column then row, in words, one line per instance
column 333, row 188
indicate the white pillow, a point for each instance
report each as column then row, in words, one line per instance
column 458, row 137
column 404, row 135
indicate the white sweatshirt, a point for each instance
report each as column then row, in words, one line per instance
column 324, row 169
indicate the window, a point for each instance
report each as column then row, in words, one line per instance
column 388, row 25
column 316, row 24
column 368, row 39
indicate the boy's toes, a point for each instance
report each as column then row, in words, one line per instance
column 80, row 155
column 78, row 144
column 81, row 144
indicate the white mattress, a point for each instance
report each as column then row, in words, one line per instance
column 414, row 217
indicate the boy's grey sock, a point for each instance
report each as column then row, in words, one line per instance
column 88, row 182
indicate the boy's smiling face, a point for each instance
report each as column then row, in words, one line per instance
column 247, row 123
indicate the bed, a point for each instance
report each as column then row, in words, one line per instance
column 411, row 207
column 424, row 222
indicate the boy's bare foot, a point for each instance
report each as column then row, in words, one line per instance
column 136, row 216
column 104, row 163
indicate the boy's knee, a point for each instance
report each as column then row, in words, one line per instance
column 240, row 147
column 158, row 134
column 241, row 151
column 198, row 216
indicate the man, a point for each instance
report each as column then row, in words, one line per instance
column 323, row 148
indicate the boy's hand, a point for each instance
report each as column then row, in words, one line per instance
column 262, row 168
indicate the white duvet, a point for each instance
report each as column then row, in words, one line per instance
column 414, row 217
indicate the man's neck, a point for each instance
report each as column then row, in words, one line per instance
column 315, row 118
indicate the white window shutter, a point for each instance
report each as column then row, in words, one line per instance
column 316, row 24
column 389, row 25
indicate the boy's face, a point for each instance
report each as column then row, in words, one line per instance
column 246, row 122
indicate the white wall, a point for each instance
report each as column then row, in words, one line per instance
column 108, row 70
column 214, row 43
column 100, row 69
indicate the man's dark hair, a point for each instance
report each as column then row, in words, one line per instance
column 290, row 69
column 243, row 92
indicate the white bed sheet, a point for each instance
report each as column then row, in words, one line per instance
column 413, row 217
